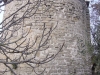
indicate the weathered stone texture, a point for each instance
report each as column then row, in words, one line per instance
column 72, row 20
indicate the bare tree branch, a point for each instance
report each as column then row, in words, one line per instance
column 23, row 45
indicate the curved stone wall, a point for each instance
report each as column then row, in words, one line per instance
column 72, row 20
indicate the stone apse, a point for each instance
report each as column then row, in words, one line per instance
column 70, row 27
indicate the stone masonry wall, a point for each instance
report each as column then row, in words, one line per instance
column 72, row 20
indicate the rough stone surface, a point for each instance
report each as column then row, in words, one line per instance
column 73, row 28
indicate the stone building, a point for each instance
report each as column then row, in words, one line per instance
column 70, row 20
